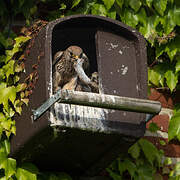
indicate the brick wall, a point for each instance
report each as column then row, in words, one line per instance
column 171, row 149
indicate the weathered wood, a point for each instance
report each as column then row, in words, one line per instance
column 101, row 101
column 110, row 102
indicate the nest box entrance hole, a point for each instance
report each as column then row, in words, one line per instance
column 68, row 34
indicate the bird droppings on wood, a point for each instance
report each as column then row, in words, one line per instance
column 124, row 69
column 120, row 52
column 75, row 116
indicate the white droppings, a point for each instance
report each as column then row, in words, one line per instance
column 114, row 91
column 111, row 72
column 120, row 52
column 113, row 46
column 118, row 70
column 103, row 97
column 112, row 98
column 78, row 116
column 137, row 87
column 124, row 69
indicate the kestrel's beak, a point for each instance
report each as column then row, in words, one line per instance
column 75, row 57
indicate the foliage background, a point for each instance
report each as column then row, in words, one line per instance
column 157, row 20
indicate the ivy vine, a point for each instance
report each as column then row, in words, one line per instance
column 157, row 20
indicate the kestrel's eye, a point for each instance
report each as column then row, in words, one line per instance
column 71, row 53
column 81, row 55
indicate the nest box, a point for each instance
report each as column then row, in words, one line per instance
column 77, row 139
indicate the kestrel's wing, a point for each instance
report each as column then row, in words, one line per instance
column 57, row 57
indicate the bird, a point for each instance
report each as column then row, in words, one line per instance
column 64, row 71
column 95, row 82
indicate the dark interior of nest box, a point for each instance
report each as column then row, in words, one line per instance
column 82, row 32
column 82, row 37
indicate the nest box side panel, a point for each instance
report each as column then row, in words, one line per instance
column 119, row 59
column 26, row 129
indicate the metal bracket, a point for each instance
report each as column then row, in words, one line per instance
column 44, row 107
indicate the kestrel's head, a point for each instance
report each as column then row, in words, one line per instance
column 75, row 52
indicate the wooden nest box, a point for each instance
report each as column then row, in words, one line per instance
column 83, row 140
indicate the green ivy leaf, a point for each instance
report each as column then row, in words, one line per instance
column 157, row 74
column 168, row 161
column 150, row 151
column 114, row 175
column 160, row 6
column 7, row 93
column 75, row 3
column 168, row 22
column 135, row 4
column 8, row 164
column 129, row 17
column 108, row 3
column 2, row 75
column 134, row 150
column 99, row 9
column 120, row 3
column 178, row 66
column 9, row 68
column 171, row 79
column 20, row 40
column 25, row 174
column 175, row 173
column 5, row 147
column 176, row 108
column 148, row 29
column 130, row 166
column 21, row 87
column 142, row 17
column 112, row 13
column 145, row 172
column 153, row 127
column 174, row 127
column 149, row 3
column 121, row 166
column 17, row 106
column 11, row 53
column 163, row 143
column 177, row 15
column 10, row 167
